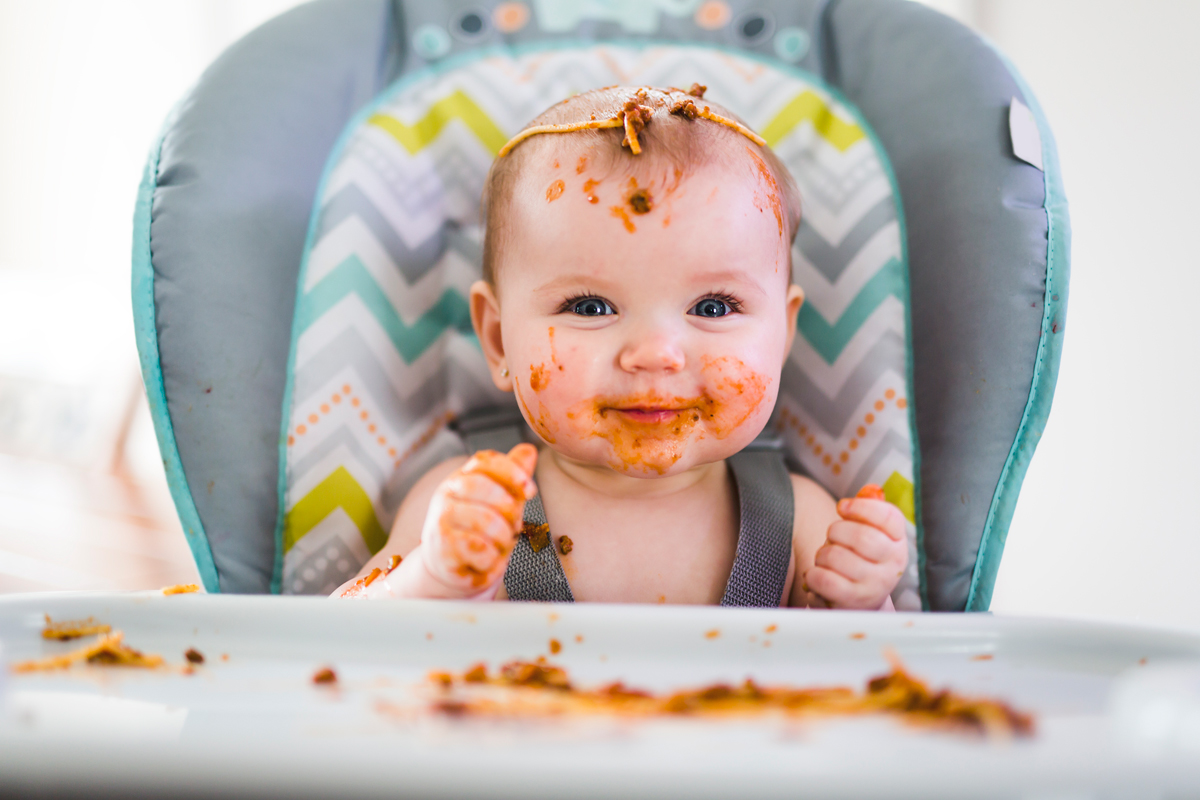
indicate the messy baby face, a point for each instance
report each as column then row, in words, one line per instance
column 642, row 319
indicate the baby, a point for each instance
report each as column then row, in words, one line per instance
column 637, row 300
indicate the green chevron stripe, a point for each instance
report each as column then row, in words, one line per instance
column 899, row 492
column 455, row 106
column 808, row 105
column 351, row 277
column 829, row 340
column 339, row 490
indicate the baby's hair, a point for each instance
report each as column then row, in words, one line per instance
column 671, row 125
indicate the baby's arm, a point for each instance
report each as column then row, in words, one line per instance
column 849, row 555
column 465, row 517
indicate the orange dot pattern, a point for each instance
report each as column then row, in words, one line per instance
column 364, row 416
column 824, row 453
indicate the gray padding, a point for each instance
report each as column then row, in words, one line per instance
column 938, row 98
column 235, row 188
column 777, row 15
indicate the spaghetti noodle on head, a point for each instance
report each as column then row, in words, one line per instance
column 625, row 131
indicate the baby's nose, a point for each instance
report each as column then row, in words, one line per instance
column 652, row 351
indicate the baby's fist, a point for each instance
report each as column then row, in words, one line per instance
column 864, row 555
column 475, row 516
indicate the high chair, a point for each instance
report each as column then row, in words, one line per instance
column 308, row 226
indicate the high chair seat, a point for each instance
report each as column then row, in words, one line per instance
column 301, row 382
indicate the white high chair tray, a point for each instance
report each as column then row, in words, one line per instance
column 1118, row 708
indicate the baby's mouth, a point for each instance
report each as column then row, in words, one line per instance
column 649, row 415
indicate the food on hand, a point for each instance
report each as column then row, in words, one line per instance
column 871, row 492
column 475, row 517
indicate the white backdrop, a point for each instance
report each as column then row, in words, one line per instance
column 1106, row 524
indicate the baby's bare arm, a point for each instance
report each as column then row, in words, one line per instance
column 406, row 530
column 470, row 524
column 815, row 512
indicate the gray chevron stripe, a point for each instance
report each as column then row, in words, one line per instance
column 348, row 350
column 832, row 413
column 831, row 261
column 828, row 189
column 891, row 443
column 460, row 240
column 446, row 444
column 342, row 437
column 412, row 184
column 413, row 264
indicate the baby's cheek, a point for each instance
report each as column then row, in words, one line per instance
column 735, row 393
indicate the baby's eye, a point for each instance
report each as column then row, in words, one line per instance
column 712, row 307
column 591, row 307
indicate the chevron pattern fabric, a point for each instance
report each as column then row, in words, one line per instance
column 384, row 356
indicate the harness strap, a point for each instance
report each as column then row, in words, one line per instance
column 767, row 510
column 536, row 576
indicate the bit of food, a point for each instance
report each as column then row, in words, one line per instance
column 194, row 656
column 858, row 636
column 540, row 688
column 107, row 650
column 357, row 588
column 324, row 675
column 871, row 492
column 73, row 629
column 539, row 535
column 565, row 545
column 636, row 113
column 181, row 588
column 555, row 647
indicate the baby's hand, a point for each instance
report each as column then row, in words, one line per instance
column 474, row 518
column 864, row 554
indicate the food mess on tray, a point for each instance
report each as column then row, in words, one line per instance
column 181, row 588
column 73, row 629
column 539, row 688
column 109, row 649
column 325, row 675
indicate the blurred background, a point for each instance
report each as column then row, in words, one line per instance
column 1107, row 525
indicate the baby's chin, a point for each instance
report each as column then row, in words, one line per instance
column 649, row 457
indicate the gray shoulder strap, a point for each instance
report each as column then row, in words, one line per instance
column 537, row 575
column 764, row 547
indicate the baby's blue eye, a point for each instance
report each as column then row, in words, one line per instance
column 711, row 307
column 591, row 307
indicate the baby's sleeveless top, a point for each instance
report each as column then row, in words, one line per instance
column 764, row 546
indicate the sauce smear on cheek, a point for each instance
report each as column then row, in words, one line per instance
column 735, row 392
column 555, row 191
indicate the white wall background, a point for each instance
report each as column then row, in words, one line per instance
column 1106, row 525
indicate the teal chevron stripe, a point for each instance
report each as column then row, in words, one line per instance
column 828, row 340
column 351, row 277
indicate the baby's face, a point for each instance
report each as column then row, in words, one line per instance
column 642, row 331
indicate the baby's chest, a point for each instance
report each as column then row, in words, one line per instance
column 662, row 555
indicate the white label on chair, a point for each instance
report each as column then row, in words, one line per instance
column 1026, row 140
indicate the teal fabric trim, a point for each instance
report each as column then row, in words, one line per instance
column 1045, row 371
column 146, row 331
column 300, row 320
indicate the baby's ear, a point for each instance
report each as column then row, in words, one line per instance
column 795, row 299
column 485, row 316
